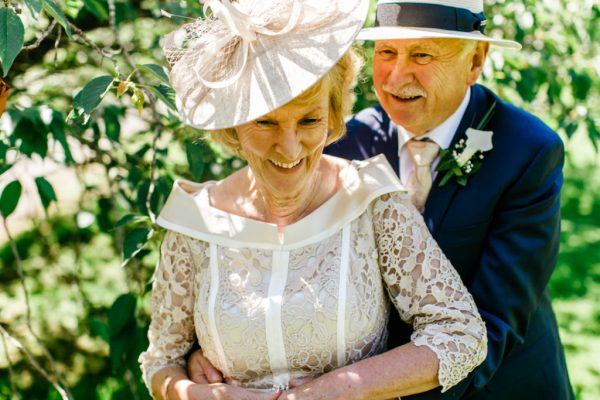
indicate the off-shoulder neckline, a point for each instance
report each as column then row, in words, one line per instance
column 193, row 215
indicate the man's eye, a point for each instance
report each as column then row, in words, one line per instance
column 422, row 58
column 386, row 53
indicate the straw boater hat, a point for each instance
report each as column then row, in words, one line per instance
column 249, row 57
column 419, row 19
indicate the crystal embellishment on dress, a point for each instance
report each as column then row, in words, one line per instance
column 280, row 386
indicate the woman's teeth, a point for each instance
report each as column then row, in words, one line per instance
column 284, row 165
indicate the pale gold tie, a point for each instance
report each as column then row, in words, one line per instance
column 422, row 152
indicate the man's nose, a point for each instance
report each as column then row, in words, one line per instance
column 288, row 143
column 400, row 75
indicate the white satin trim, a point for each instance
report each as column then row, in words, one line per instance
column 191, row 213
column 342, row 296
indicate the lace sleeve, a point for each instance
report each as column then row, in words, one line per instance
column 427, row 290
column 171, row 334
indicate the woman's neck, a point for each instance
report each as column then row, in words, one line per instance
column 241, row 195
column 284, row 211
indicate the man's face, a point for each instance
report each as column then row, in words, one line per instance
column 421, row 82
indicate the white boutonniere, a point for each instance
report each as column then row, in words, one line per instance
column 465, row 157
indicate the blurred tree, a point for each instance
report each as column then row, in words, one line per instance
column 88, row 91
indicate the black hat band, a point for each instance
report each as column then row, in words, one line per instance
column 422, row 15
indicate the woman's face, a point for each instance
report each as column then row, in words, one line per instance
column 283, row 148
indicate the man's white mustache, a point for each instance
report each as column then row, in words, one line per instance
column 405, row 92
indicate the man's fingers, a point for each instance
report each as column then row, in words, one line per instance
column 213, row 375
column 201, row 370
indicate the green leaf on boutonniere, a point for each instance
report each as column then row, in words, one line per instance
column 486, row 118
column 446, row 178
column 462, row 180
column 446, row 160
column 455, row 163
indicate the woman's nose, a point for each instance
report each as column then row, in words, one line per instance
column 288, row 143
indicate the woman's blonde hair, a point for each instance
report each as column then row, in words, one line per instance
column 340, row 81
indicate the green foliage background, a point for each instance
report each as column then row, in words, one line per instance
column 89, row 93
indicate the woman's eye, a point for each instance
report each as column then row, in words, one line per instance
column 264, row 122
column 310, row 121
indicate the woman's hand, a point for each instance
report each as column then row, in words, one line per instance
column 172, row 383
column 200, row 370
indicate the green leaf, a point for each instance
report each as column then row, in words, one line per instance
column 129, row 218
column 195, row 157
column 90, row 96
column 571, row 128
column 55, row 12
column 32, row 132
column 581, row 84
column 97, row 8
column 138, row 99
column 72, row 8
column 3, row 149
column 121, row 313
column 35, row 6
column 462, row 180
column 57, row 127
column 99, row 329
column 125, row 220
column 111, row 123
column 45, row 190
column 11, row 37
column 155, row 70
column 10, row 198
column 446, row 178
column 134, row 241
column 166, row 94
column 122, row 326
column 118, row 350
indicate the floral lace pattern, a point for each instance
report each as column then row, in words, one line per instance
column 387, row 240
column 427, row 290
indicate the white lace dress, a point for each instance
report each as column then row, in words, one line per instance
column 266, row 309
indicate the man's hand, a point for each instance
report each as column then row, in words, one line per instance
column 222, row 391
column 294, row 383
column 200, row 370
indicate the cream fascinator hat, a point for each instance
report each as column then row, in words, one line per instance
column 249, row 57
column 419, row 19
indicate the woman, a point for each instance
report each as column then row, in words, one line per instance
column 277, row 269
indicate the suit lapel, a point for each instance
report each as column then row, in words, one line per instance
column 387, row 142
column 440, row 198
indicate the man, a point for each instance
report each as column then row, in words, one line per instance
column 500, row 230
column 496, row 214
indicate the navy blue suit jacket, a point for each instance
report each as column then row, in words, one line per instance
column 501, row 232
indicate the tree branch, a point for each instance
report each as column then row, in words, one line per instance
column 21, row 274
column 43, row 36
column 63, row 393
column 11, row 374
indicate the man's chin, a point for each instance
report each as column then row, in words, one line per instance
column 402, row 117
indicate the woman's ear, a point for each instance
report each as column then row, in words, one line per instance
column 477, row 61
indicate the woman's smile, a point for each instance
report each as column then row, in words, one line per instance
column 287, row 168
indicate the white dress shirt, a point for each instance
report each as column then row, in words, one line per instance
column 442, row 135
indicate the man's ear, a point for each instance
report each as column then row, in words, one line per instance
column 477, row 61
